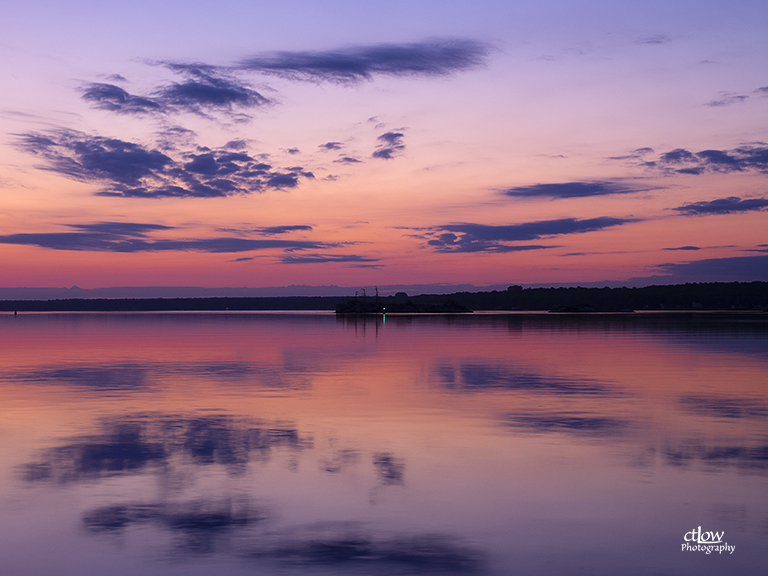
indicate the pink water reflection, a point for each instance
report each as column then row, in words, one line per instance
column 263, row 443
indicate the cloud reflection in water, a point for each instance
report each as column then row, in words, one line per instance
column 135, row 445
column 570, row 423
column 477, row 376
column 352, row 548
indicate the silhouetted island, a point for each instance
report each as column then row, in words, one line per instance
column 731, row 296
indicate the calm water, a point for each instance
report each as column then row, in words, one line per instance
column 228, row 444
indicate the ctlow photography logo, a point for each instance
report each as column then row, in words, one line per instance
column 707, row 542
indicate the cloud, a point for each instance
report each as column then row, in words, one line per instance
column 733, row 269
column 571, row 190
column 131, row 170
column 207, row 88
column 347, row 160
column 330, row 146
column 727, row 99
column 270, row 230
column 116, row 99
column 325, row 258
column 637, row 154
column 391, row 143
column 132, row 237
column 196, row 95
column 358, row 63
column 684, row 248
column 203, row 89
column 464, row 237
column 729, row 205
column 77, row 155
column 763, row 91
column 174, row 137
column 752, row 156
column 655, row 39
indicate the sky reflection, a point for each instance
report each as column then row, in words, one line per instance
column 427, row 445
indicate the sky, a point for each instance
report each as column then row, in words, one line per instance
column 264, row 143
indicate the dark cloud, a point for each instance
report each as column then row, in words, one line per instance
column 677, row 156
column 752, row 156
column 132, row 237
column 479, row 376
column 203, row 89
column 284, row 180
column 116, row 99
column 729, row 205
column 77, row 155
column 684, row 248
column 719, row 160
column 325, row 258
column 391, row 143
column 131, row 170
column 763, row 91
column 175, row 137
column 347, row 160
column 485, row 238
column 270, row 230
column 571, row 190
column 330, row 146
column 534, row 230
column 293, row 151
column 237, row 144
column 727, row 100
column 733, row 269
column 636, row 154
column 207, row 88
column 358, row 63
column 121, row 228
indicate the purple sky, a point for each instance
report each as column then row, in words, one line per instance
column 349, row 143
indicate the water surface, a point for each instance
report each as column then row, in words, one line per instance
column 253, row 443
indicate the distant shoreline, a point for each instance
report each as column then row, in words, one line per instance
column 713, row 296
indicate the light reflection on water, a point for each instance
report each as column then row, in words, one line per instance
column 303, row 443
